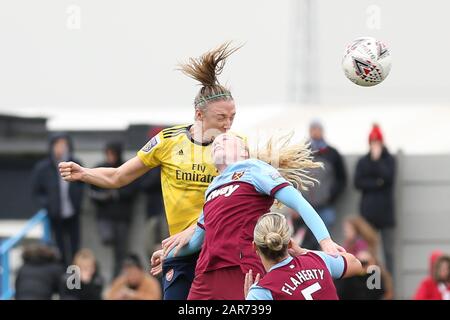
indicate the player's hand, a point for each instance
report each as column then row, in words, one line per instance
column 156, row 262
column 330, row 247
column 178, row 241
column 295, row 249
column 127, row 294
column 249, row 281
column 71, row 171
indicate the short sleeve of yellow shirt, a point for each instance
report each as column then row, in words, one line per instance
column 152, row 153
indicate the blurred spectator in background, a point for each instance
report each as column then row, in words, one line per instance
column 332, row 177
column 437, row 285
column 361, row 240
column 357, row 287
column 114, row 208
column 61, row 198
column 39, row 276
column 359, row 236
column 374, row 177
column 134, row 283
column 91, row 282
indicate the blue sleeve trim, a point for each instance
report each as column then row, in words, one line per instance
column 200, row 225
column 279, row 187
column 290, row 197
column 337, row 266
column 345, row 268
column 258, row 293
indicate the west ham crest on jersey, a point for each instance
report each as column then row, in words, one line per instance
column 237, row 175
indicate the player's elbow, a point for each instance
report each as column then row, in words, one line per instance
column 117, row 181
column 354, row 266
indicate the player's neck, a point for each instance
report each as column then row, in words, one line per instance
column 198, row 134
column 221, row 167
column 268, row 264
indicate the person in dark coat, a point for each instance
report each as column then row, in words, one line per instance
column 61, row 199
column 374, row 177
column 332, row 181
column 39, row 276
column 114, row 208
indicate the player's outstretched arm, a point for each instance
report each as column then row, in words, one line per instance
column 177, row 241
column 354, row 266
column 342, row 265
column 194, row 245
column 104, row 177
column 290, row 197
column 189, row 242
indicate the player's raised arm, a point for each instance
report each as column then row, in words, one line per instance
column 190, row 242
column 182, row 244
column 343, row 265
column 289, row 175
column 104, row 177
column 292, row 198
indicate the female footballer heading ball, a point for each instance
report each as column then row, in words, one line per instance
column 184, row 155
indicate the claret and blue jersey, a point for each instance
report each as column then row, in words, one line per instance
column 305, row 277
column 233, row 203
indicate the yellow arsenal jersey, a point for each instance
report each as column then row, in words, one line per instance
column 186, row 172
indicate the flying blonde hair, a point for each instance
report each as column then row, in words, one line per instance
column 293, row 161
column 205, row 70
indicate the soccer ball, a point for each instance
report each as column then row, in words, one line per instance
column 366, row 61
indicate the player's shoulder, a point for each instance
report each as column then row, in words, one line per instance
column 321, row 256
column 165, row 138
column 172, row 135
column 173, row 132
column 316, row 254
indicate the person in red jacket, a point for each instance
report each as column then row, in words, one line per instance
column 437, row 285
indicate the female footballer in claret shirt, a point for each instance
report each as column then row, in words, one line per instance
column 244, row 191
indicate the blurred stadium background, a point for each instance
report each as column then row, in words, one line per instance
column 105, row 70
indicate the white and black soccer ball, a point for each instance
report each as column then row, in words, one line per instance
column 366, row 61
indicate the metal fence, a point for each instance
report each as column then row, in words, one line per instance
column 6, row 292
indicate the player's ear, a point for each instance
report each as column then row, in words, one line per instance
column 290, row 244
column 255, row 247
column 198, row 114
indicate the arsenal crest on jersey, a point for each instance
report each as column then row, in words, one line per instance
column 237, row 175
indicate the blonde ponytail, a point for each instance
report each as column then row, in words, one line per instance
column 272, row 235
